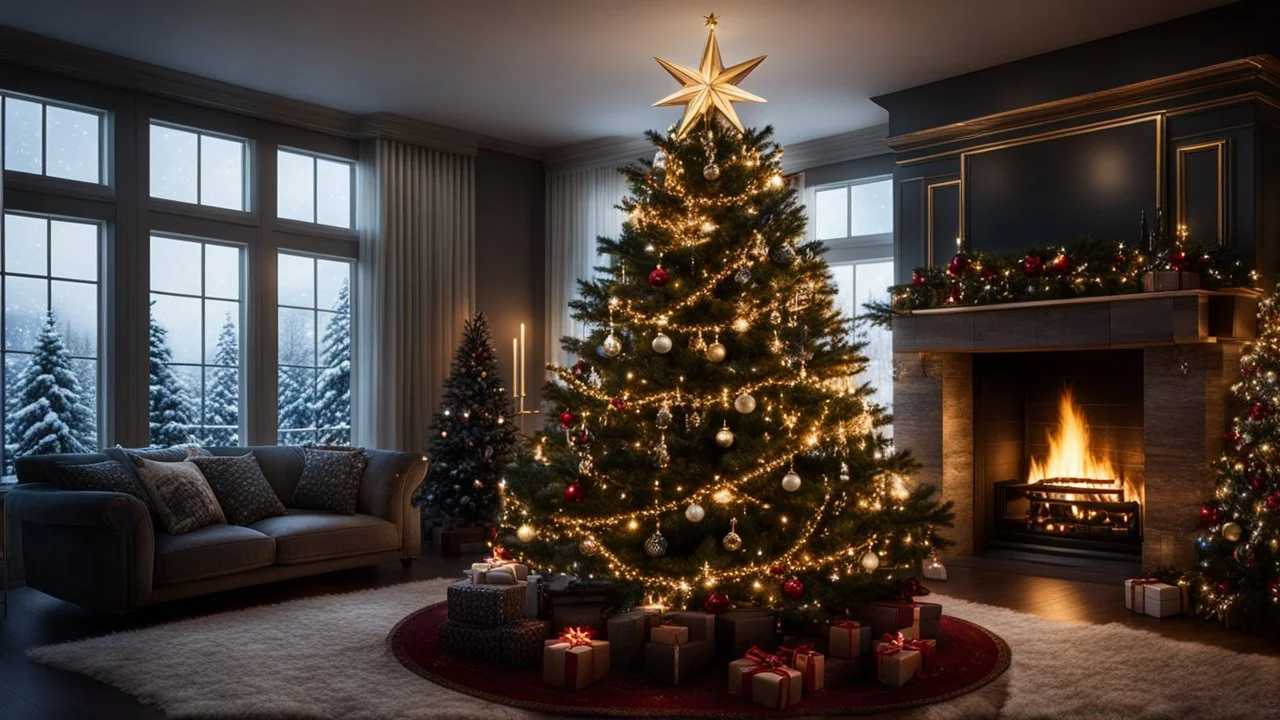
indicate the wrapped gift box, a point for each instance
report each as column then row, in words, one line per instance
column 473, row 641
column 777, row 687
column 488, row 605
column 574, row 666
column 533, row 597
column 813, row 671
column 702, row 625
column 626, row 633
column 656, row 613
column 670, row 635
column 1164, row 600
column 915, row 620
column 896, row 665
column 498, row 573
column 674, row 664
column 737, row 631
column 838, row 672
column 848, row 639
column 520, row 643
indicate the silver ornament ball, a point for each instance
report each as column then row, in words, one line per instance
column 656, row 545
column 711, row 171
column 662, row 343
column 611, row 346
column 743, row 276
column 716, row 352
column 791, row 481
column 694, row 513
column 663, row 419
column 744, row 404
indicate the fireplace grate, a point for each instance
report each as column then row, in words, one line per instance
column 1068, row 509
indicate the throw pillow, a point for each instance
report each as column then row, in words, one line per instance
column 242, row 490
column 183, row 499
column 330, row 480
column 108, row 476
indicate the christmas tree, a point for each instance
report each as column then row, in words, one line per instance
column 472, row 434
column 1239, row 550
column 49, row 412
column 222, row 397
column 296, row 384
column 713, row 437
column 333, row 396
column 173, row 414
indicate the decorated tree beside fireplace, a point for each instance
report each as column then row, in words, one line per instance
column 1239, row 550
column 713, row 439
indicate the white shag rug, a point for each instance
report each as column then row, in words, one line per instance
column 326, row 657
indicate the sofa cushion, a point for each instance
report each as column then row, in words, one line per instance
column 211, row 551
column 330, row 480
column 183, row 499
column 109, row 476
column 242, row 490
column 309, row 535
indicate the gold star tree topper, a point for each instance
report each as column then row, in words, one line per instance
column 712, row 87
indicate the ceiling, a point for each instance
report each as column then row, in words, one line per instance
column 558, row 72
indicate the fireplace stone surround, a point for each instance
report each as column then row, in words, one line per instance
column 1190, row 343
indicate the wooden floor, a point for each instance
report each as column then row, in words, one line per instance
column 28, row 690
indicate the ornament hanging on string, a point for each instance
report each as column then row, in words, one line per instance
column 697, row 343
column 710, row 171
column 724, row 436
column 694, row 513
column 733, row 541
column 659, row 277
column 584, row 439
column 662, row 344
column 612, row 345
column 663, row 419
column 715, row 351
column 661, row 455
column 793, row 588
column 588, row 546
column 566, row 419
column 526, row 533
column 744, row 403
column 656, row 545
column 717, row 602
column 791, row 481
column 692, row 419
column 870, row 561
column 575, row 492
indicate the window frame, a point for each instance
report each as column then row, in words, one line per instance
column 307, row 227
column 850, row 241
column 246, row 159
column 105, row 173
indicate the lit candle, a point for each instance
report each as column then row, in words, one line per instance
column 523, row 383
column 515, row 379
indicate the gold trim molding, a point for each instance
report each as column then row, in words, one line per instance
column 1219, row 148
column 929, row 190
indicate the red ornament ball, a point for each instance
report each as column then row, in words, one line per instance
column 777, row 570
column 1032, row 265
column 581, row 368
column 575, row 492
column 953, row 295
column 585, row 439
column 1210, row 515
column 1062, row 265
column 958, row 265
column 618, row 403
column 566, row 419
column 717, row 603
column 918, row 279
column 1259, row 412
column 1178, row 261
column 793, row 588
column 1231, row 437
column 1273, row 502
column 659, row 278
column 988, row 274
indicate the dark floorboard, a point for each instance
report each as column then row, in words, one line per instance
column 29, row 690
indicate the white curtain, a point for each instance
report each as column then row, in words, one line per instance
column 416, row 286
column 581, row 206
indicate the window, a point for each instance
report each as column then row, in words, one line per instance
column 314, row 355
column 197, row 167
column 858, row 284
column 50, row 280
column 59, row 141
column 195, row 342
column 314, row 189
column 859, row 210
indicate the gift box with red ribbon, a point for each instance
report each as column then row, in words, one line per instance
column 575, row 660
column 766, row 679
column 810, row 663
column 898, row 659
column 1148, row 596
column 848, row 639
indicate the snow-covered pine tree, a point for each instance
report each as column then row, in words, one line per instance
column 222, row 396
column 333, row 394
column 49, row 415
column 173, row 414
column 296, row 385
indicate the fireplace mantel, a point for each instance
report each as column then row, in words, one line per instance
column 1115, row 321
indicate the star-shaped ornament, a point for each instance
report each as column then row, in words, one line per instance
column 710, row 88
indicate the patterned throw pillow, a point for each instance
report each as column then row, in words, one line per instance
column 242, row 490
column 108, row 475
column 330, row 480
column 183, row 499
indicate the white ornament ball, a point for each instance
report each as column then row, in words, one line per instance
column 1232, row 531
column 662, row 344
column 870, row 561
column 724, row 437
column 526, row 533
column 716, row 352
column 744, row 403
column 694, row 513
column 611, row 346
column 791, row 481
column 711, row 171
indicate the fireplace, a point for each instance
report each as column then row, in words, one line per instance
column 1058, row 456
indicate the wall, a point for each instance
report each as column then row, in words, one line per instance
column 510, row 258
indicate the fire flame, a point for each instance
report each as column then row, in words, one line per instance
column 1070, row 454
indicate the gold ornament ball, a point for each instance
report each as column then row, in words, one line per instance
column 744, row 404
column 526, row 533
column 791, row 481
column 694, row 513
column 656, row 545
column 715, row 352
column 724, row 437
column 1232, row 531
column 732, row 542
column 588, row 547
column 870, row 561
column 612, row 345
column 711, row 171
column 662, row 343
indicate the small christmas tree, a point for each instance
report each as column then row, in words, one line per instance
column 222, row 402
column 1239, row 550
column 49, row 413
column 472, row 434
column 173, row 413
column 333, row 395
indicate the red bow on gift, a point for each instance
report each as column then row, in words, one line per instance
column 576, row 636
column 788, row 654
column 911, row 587
column 765, row 663
column 897, row 643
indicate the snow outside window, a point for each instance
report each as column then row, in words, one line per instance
column 314, row 354
column 314, row 189
column 50, row 328
column 195, row 356
column 860, row 283
column 198, row 168
column 42, row 138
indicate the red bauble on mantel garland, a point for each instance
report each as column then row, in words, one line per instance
column 659, row 277
column 958, row 265
column 1062, row 265
column 1033, row 265
column 917, row 279
column 793, row 588
column 717, row 603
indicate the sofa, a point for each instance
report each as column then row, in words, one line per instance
column 104, row 551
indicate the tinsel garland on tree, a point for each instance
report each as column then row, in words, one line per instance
column 1238, row 572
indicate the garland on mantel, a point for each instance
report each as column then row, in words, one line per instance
column 1088, row 268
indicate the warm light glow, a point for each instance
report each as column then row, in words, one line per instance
column 1070, row 454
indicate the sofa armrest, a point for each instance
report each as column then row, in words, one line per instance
column 386, row 491
column 95, row 549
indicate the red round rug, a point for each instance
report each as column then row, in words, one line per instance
column 967, row 657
